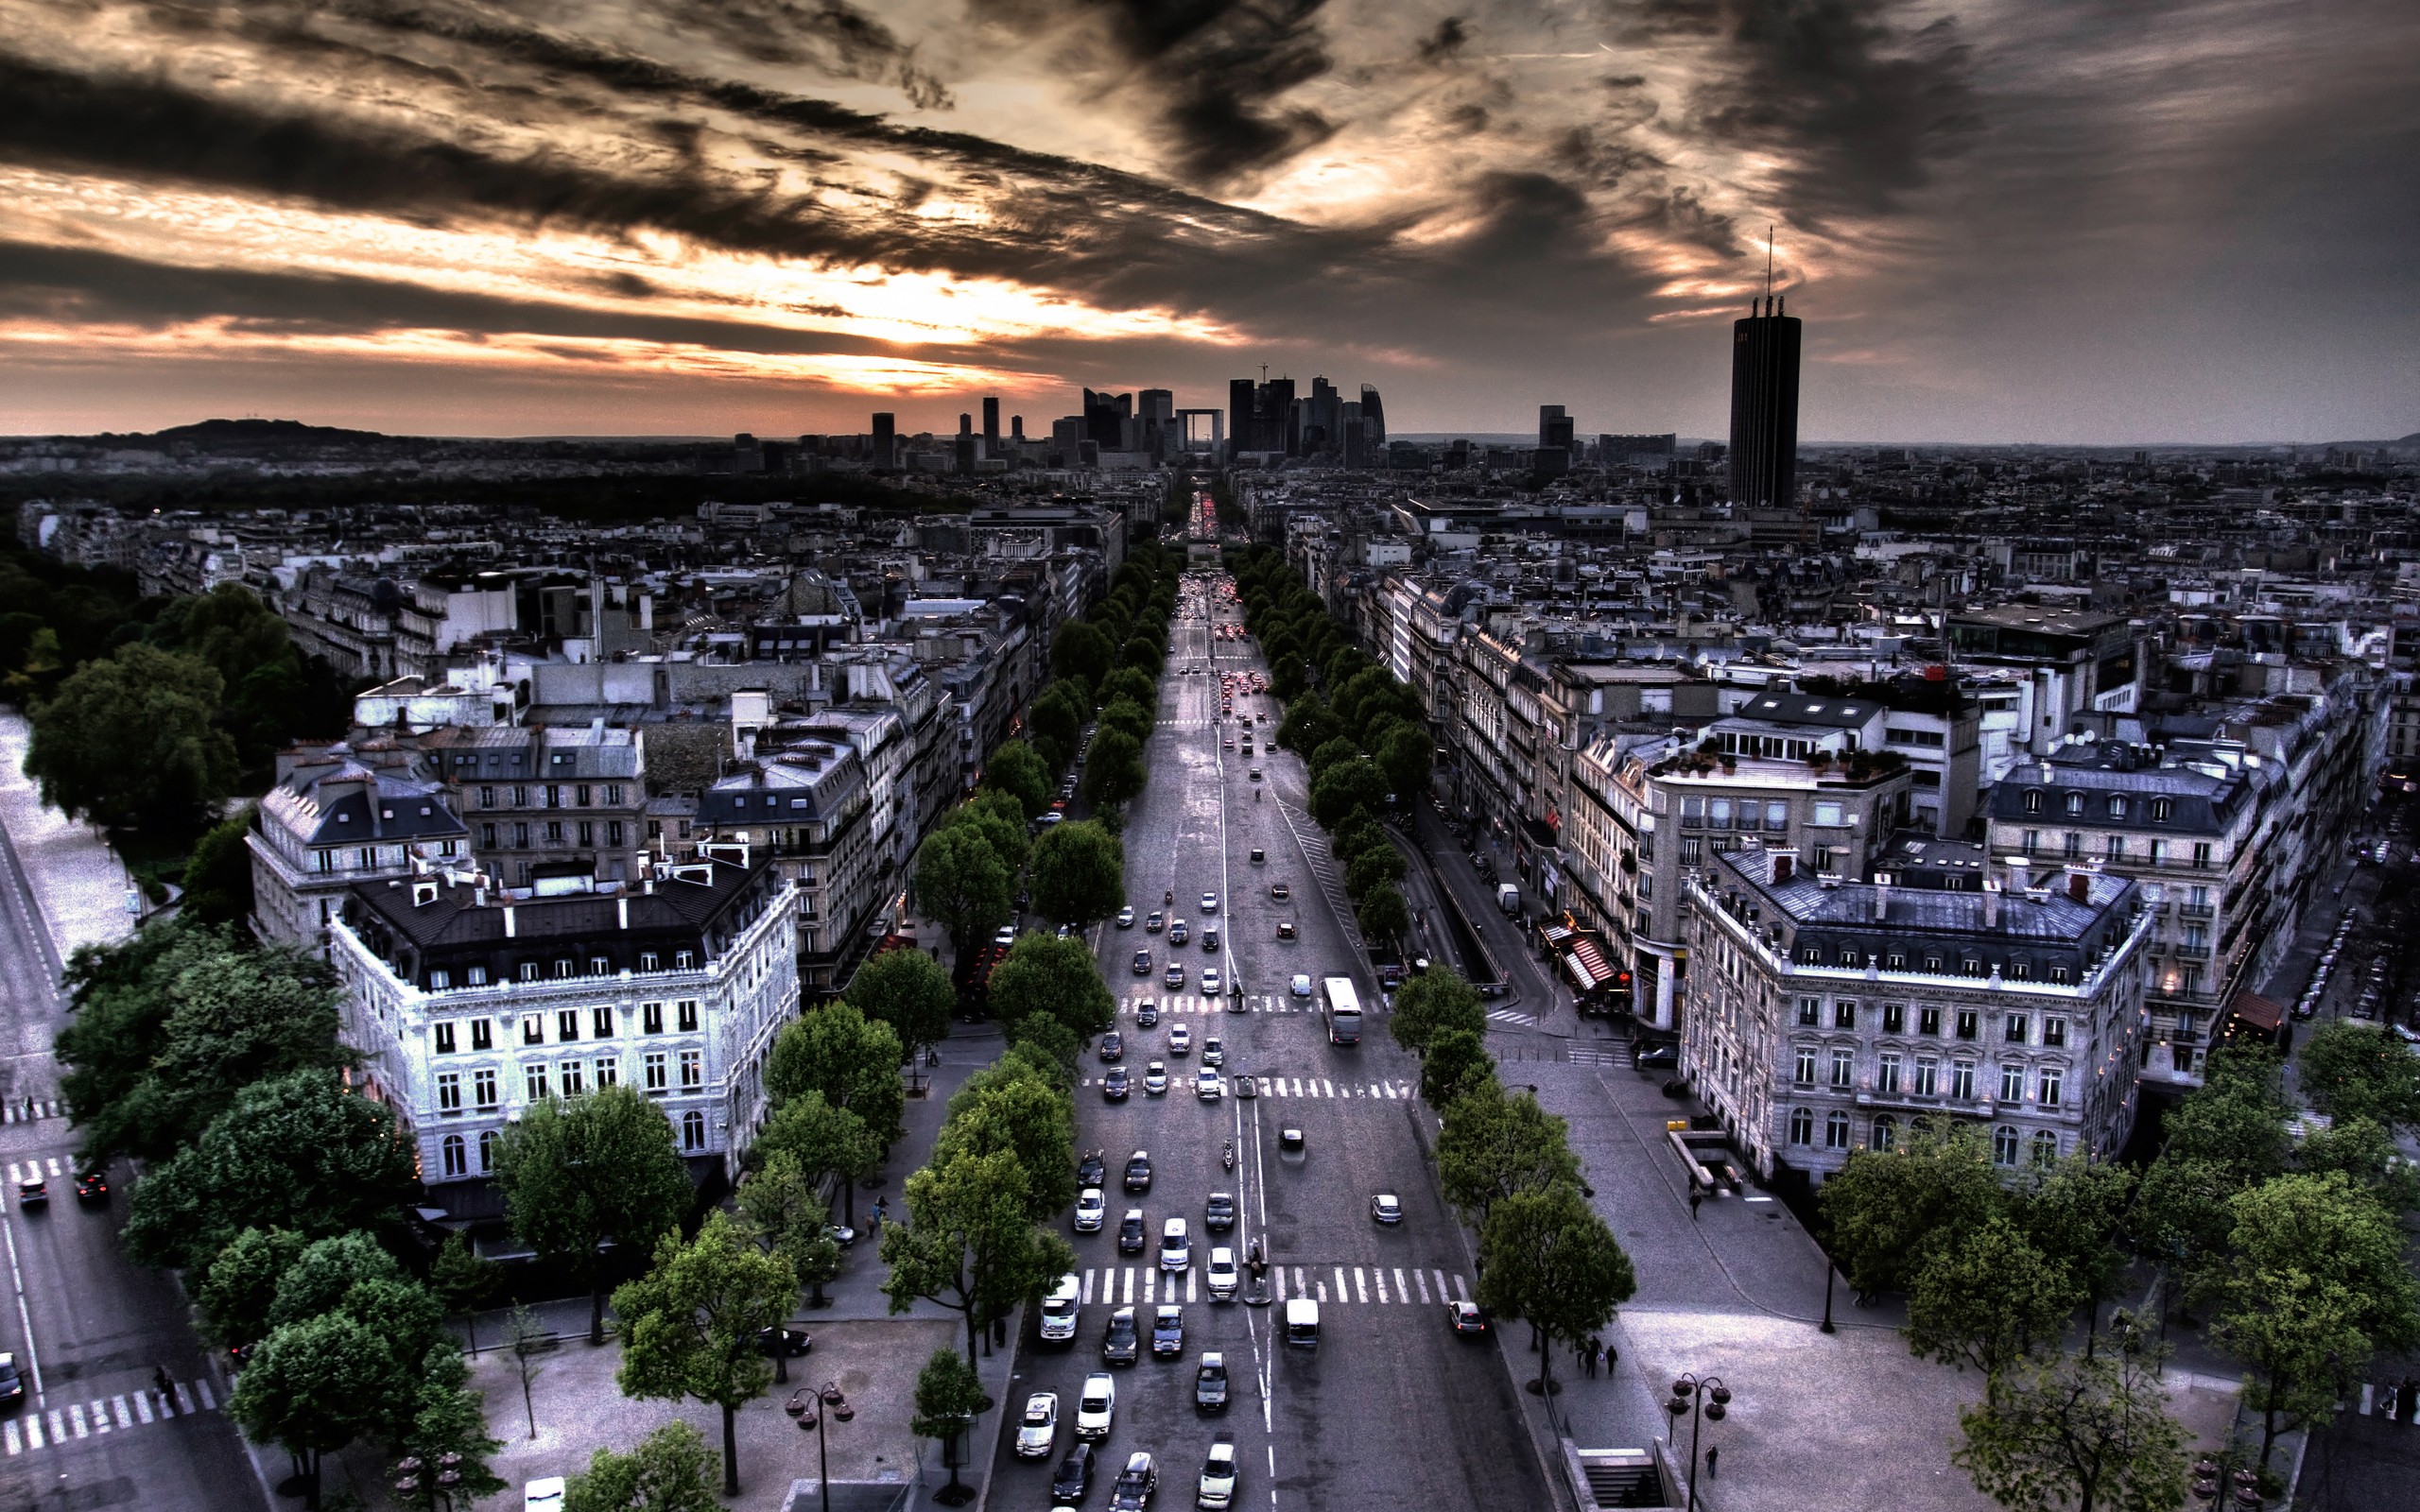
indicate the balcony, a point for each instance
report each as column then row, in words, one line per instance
column 2192, row 953
column 2198, row 910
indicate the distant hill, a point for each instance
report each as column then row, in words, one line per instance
column 217, row 432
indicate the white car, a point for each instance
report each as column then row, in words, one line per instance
column 1221, row 1274
column 1217, row 1488
column 1180, row 1040
column 1097, row 1406
column 1302, row 984
column 1040, row 1428
column 1092, row 1209
column 1176, row 1245
column 1210, row 983
column 1208, row 1085
column 1384, row 1207
column 1059, row 1310
column 1005, row 935
column 1126, row 918
column 1209, row 902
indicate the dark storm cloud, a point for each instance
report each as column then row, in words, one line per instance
column 1446, row 41
column 834, row 36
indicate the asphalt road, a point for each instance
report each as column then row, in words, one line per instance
column 88, row 1328
column 1391, row 1408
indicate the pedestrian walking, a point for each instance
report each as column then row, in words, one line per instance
column 1696, row 1197
column 166, row 1389
column 1612, row 1358
column 1712, row 1450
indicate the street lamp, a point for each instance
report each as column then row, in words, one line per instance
column 808, row 1411
column 1700, row 1402
column 2209, row 1484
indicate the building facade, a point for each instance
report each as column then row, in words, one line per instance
column 337, row 817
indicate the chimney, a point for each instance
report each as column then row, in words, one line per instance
column 2020, row 876
column 1783, row 862
column 1990, row 904
column 622, row 911
column 2080, row 886
column 510, row 929
column 1881, row 896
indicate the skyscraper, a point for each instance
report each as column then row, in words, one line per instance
column 1764, row 409
column 885, row 439
column 991, row 426
column 1554, row 427
column 1373, row 417
column 1242, row 400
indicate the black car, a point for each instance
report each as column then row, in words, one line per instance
column 1210, row 1383
column 1139, row 1173
column 1135, row 1484
column 1090, row 1169
column 1168, row 1332
column 33, row 1194
column 1656, row 1058
column 1147, row 1014
column 1142, row 963
column 1114, row 1086
column 1120, row 1345
column 1130, row 1238
column 1112, row 1046
column 791, row 1342
column 1218, row 1213
column 1075, row 1476
column 12, row 1386
column 92, row 1187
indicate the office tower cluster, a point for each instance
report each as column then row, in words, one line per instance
column 1267, row 421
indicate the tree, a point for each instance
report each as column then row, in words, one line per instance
column 1985, row 1296
column 2090, row 1434
column 299, row 1152
column 306, row 1389
column 1434, row 1002
column 854, row 1062
column 968, row 1245
column 1131, row 683
column 600, row 1170
column 463, row 1279
column 2072, row 1213
column 1080, row 650
column 2365, row 1153
column 1009, row 1106
column 121, row 995
column 689, row 1326
column 909, row 991
column 1287, row 674
column 1346, row 786
column 1056, row 977
column 1550, row 1260
column 2351, row 1071
column 1040, row 1037
column 528, row 1339
column 241, row 1284
column 780, row 1202
column 961, row 883
column 1406, row 754
column 1383, row 914
column 1456, row 1063
column 1379, row 866
column 1056, row 720
column 1017, row 770
column 129, row 742
column 1079, row 871
column 1127, row 717
column 823, row 1140
column 2224, row 1139
column 671, row 1470
column 1307, row 725
column 451, row 1420
column 2317, row 1281
column 1114, row 772
column 1884, row 1206
column 324, row 1273
column 218, row 877
column 996, row 818
column 1493, row 1145
column 949, row 1396
column 1331, row 754
column 1143, row 651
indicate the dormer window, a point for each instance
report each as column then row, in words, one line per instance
column 2117, row 806
column 2032, row 800
column 2161, row 809
column 2075, row 803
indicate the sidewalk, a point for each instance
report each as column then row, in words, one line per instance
column 75, row 876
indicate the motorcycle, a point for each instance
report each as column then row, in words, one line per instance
column 1167, row 898
column 1227, row 1156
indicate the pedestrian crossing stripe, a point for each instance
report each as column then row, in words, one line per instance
column 104, row 1415
column 1515, row 1017
column 1114, row 1286
column 26, row 1110
column 1182, row 1004
column 32, row 1170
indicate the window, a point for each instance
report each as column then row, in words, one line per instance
column 2158, row 850
column 693, row 1131
column 1886, row 1078
column 2117, row 806
column 554, row 831
column 1896, row 960
column 1829, row 814
column 655, row 1072
column 1932, row 961
column 583, row 791
column 519, row 796
column 486, row 836
column 1894, row 1018
column 651, row 1018
column 2116, row 849
column 2161, row 809
column 1810, row 1011
column 449, row 1091
column 1692, row 812
column 1802, row 1127
column 1973, row 967
column 2017, row 1029
column 613, row 792
column 2012, row 1084
column 613, row 833
column 609, row 1072
column 1806, row 1066
column 1811, row 955
column 2054, row 1030
column 1850, row 958
column 533, row 1082
column 439, row 981
column 521, row 837
column 567, row 1023
column 2032, row 841
column 2050, row 1086
column 477, row 977
column 1928, row 1076
column 1844, row 1066
column 1692, row 850
column 685, row 961
column 2019, row 970
column 571, row 1072
column 443, row 1036
column 2075, row 803
column 1777, row 816
column 647, row 961
column 1929, row 1021
column 2032, row 800
column 2073, row 846
column 2058, row 976
column 1886, row 1131
column 600, row 1022
column 2003, row 1145
column 483, row 1032
column 693, row 1069
column 1822, row 858
column 533, row 1028
column 1844, row 1009
column 453, row 1155
column 323, row 861
column 488, row 1143
column 688, row 1016
column 1961, row 1081
column 2046, row 1147
column 587, row 831
column 2201, row 852
column 554, row 794
column 1836, row 1132
column 1718, row 813
column 528, row 970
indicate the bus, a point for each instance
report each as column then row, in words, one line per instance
column 1344, row 1010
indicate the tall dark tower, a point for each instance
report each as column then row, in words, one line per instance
column 1764, row 409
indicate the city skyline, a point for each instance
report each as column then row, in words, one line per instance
column 2050, row 224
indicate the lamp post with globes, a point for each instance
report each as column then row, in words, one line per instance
column 808, row 1409
column 2211, row 1479
column 1700, row 1402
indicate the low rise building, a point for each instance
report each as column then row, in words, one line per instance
column 338, row 815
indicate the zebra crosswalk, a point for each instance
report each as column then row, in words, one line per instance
column 1514, row 1018
column 1329, row 1087
column 55, row 1426
column 1115, row 1286
column 1195, row 1004
column 29, row 1109
column 33, row 1170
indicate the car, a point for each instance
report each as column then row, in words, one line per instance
column 1155, row 1078
column 92, row 1187
column 1138, row 1170
column 1120, row 1345
column 1112, row 1046
column 1066, row 931
column 1180, row 1040
column 1038, row 1431
column 12, row 1384
column 782, row 1342
column 1228, row 743
column 1209, row 942
column 1054, row 817
column 1130, row 1234
column 33, row 1193
column 1075, row 1476
column 1208, row 1085
column 1176, row 1245
column 1211, row 981
column 1168, row 1331
column 1096, row 1405
column 1092, row 1210
column 1289, row 1142
column 1256, row 774
column 1243, row 1085
column 1091, row 1169
column 1257, row 857
column 1178, row 932
column 1209, row 902
column 1131, row 1491
column 1116, row 1087
column 1284, row 929
column 1214, row 1051
column 1386, row 1208
column 1466, row 1319
column 1142, row 963
column 1656, row 1058
column 1059, row 1310
column 1146, row 1013
column 1174, row 976
column 1279, row 892
column 1005, row 935
column 1126, row 918
column 1154, row 921
column 1218, row 1213
column 1220, row 1273
column 1301, row 986
column 1217, row 1491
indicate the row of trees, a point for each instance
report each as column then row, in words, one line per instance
column 1364, row 740
column 1506, row 1164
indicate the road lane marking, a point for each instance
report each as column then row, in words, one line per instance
column 142, row 1405
column 16, row 1440
column 1380, row 1277
column 202, row 1389
column 1151, row 1286
column 1188, row 1284
column 1361, row 1287
column 1441, row 1286
column 1128, row 1300
column 1339, row 1283
column 54, row 1165
column 1422, row 1280
column 33, row 1432
column 1321, row 1288
column 1325, row 1089
column 58, row 1427
column 1403, row 1292
column 1459, row 1290
column 125, row 1419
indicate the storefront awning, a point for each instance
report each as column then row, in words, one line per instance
column 1579, row 973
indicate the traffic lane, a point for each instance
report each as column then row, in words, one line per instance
column 195, row 1461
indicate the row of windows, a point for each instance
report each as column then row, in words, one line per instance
column 554, row 831
column 2005, row 1141
column 563, row 969
column 2116, row 805
column 2016, row 1029
column 1819, row 858
column 542, row 1079
column 454, row 1152
column 369, row 858
column 2017, row 968
column 567, row 1025
column 1750, row 814
column 582, row 794
column 1893, row 1075
column 2112, row 847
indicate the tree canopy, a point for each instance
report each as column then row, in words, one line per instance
column 600, row 1169
column 1079, row 871
column 130, row 742
column 851, row 1060
column 909, row 991
column 963, row 884
column 1015, row 768
column 1057, row 978
column 689, row 1326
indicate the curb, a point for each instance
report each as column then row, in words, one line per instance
column 1000, row 1418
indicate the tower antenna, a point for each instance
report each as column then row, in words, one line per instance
column 1768, row 260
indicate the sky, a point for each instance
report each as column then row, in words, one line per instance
column 2079, row 221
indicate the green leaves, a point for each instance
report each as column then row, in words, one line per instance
column 1985, row 1296
column 969, row 1243
column 1080, row 650
column 2359, row 1071
column 1346, row 786
column 853, row 1061
column 1009, row 1106
column 1494, row 1145
column 1453, row 1065
column 2074, row 1432
column 1434, row 1002
column 1078, row 873
column 1113, row 771
column 689, row 1326
column 1885, row 1206
column 962, row 883
column 1015, row 768
column 821, row 1139
column 671, row 1470
column 599, row 1168
column 908, row 991
column 1055, row 977
column 130, row 742
column 949, row 1396
column 1550, row 1260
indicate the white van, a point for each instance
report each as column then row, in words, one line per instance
column 544, row 1494
column 1303, row 1322
column 1176, row 1245
column 1059, row 1310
